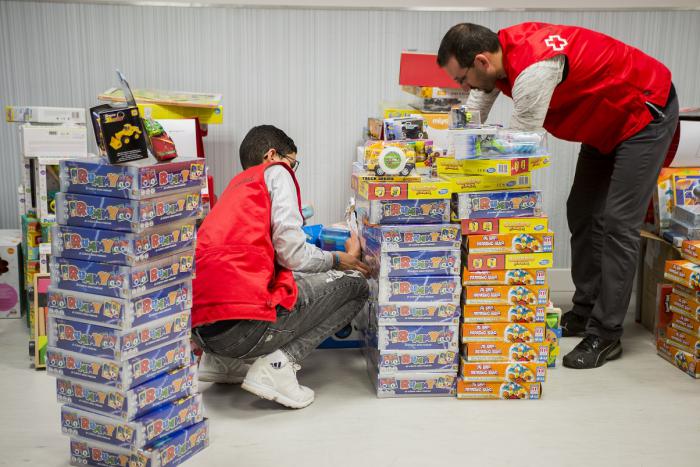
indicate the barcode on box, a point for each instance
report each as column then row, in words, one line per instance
column 503, row 168
column 75, row 114
column 523, row 180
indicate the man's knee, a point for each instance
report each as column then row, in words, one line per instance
column 358, row 285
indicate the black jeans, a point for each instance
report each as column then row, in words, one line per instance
column 605, row 211
column 327, row 302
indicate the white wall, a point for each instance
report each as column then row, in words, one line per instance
column 317, row 73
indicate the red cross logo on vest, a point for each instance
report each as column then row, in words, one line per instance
column 556, row 42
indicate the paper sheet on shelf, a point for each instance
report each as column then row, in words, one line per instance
column 688, row 153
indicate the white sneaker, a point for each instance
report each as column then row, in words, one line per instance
column 217, row 369
column 274, row 377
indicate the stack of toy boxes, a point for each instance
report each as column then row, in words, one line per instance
column 119, row 311
column 675, row 204
column 679, row 341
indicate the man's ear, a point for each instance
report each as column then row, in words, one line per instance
column 269, row 155
column 481, row 61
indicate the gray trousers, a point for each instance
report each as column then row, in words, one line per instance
column 605, row 211
column 326, row 303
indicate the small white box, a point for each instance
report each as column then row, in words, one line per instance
column 44, row 114
column 68, row 141
column 10, row 289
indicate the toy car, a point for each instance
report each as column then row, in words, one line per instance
column 124, row 136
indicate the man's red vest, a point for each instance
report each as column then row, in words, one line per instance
column 601, row 101
column 237, row 276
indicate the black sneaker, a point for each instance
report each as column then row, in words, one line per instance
column 573, row 325
column 593, row 352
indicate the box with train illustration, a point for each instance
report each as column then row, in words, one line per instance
column 528, row 333
column 508, row 391
column 494, row 372
column 506, row 295
column 505, row 352
column 505, row 225
column 505, row 277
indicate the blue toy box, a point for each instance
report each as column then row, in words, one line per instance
column 407, row 211
column 495, row 204
column 391, row 362
column 414, row 337
column 334, row 238
column 415, row 384
column 423, row 289
column 407, row 237
column 407, row 263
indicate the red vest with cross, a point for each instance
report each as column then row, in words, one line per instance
column 602, row 100
column 237, row 276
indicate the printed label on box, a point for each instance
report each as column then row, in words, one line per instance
column 418, row 337
column 503, row 314
column 511, row 243
column 470, row 183
column 684, row 306
column 398, row 237
column 684, row 341
column 489, row 205
column 391, row 362
column 506, row 332
column 684, row 273
column 476, row 390
column 479, row 262
column 506, row 352
column 685, row 324
column 416, row 263
column 505, row 277
column 506, row 166
column 417, row 312
column 415, row 211
column 516, row 372
column 420, row 289
column 506, row 295
column 506, row 225
column 416, row 384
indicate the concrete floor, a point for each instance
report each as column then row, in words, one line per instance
column 637, row 411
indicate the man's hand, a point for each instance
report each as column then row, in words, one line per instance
column 349, row 263
column 352, row 245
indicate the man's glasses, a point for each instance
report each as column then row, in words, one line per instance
column 293, row 163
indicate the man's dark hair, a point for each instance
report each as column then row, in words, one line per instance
column 465, row 41
column 261, row 139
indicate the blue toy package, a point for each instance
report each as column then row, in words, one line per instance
column 423, row 289
column 145, row 178
column 103, row 342
column 120, row 281
column 492, row 142
column 334, row 238
column 407, row 237
column 313, row 234
column 118, row 312
column 109, row 246
column 392, row 362
column 126, row 215
column 495, row 204
column 406, row 211
column 136, row 434
column 121, row 375
column 128, row 404
column 415, row 384
column 407, row 313
column 416, row 337
column 406, row 263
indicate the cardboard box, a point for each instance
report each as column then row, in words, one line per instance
column 497, row 351
column 435, row 92
column 436, row 124
column 684, row 306
column 419, row 336
column 415, row 384
column 472, row 183
column 488, row 262
column 506, row 295
column 421, row 69
column 426, row 262
column 663, row 196
column 510, row 243
column 516, row 372
column 490, row 205
column 57, row 141
column 505, row 277
column 509, row 391
column 413, row 211
column 684, row 273
column 429, row 189
column 654, row 254
column 10, row 274
column 685, row 324
column 205, row 115
column 505, row 166
column 119, row 133
column 684, row 188
column 506, row 332
column 422, row 289
column 505, row 225
column 406, row 313
column 689, row 215
column 691, row 250
column 411, row 237
column 399, row 361
column 503, row 314
column 685, row 361
column 683, row 341
column 54, row 115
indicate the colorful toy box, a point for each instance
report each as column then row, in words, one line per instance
column 121, row 375
column 691, row 250
column 488, row 262
column 684, row 273
column 108, row 246
column 504, row 166
column 494, row 372
column 416, row 337
column 423, row 289
column 360, row 176
column 683, row 341
column 513, row 225
column 414, row 211
column 503, row 314
column 685, row 324
column 400, row 361
column 407, row 237
column 10, row 275
column 505, row 277
column 506, row 332
column 685, row 292
column 415, row 384
column 119, row 133
column 688, row 307
column 137, row 434
column 120, row 281
column 103, row 342
column 28, row 114
column 553, row 334
column 407, row 263
column 685, row 361
column 130, row 404
column 664, row 194
column 498, row 351
column 472, row 183
column 426, row 189
column 506, row 295
column 686, row 189
column 510, row 243
column 508, row 391
column 135, row 180
column 490, row 205
column 407, row 313
column 333, row 238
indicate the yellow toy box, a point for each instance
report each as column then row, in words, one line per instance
column 516, row 372
column 431, row 92
column 505, row 277
column 528, row 333
column 506, row 295
column 683, row 360
column 685, row 306
column 506, row 225
column 509, row 166
column 496, row 351
column 472, row 183
column 664, row 194
column 481, row 262
column 691, row 250
column 398, row 112
column 508, row 391
column 683, row 341
column 503, row 314
column 684, row 273
column 429, row 189
column 511, row 243
column 685, row 324
column 359, row 177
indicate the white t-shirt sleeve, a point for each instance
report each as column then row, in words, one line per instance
column 532, row 93
column 482, row 101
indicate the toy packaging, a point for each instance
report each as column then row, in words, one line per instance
column 88, row 452
column 685, row 292
column 433, row 92
column 686, row 190
column 506, row 332
column 691, row 250
column 423, row 289
column 407, row 313
column 426, row 189
column 120, row 281
column 475, row 183
column 333, row 238
column 436, row 122
column 505, row 277
column 415, row 384
column 126, row 215
column 503, row 314
column 497, row 351
column 553, row 334
column 416, row 337
column 121, row 375
column 414, row 211
column 688, row 307
column 465, row 143
column 404, row 128
column 53, row 141
column 664, row 194
column 119, row 133
column 490, row 205
column 510, row 243
column 506, row 295
column 685, row 361
column 494, row 372
column 689, row 215
column 130, row 404
column 10, row 275
column 500, row 226
column 400, row 361
column 491, row 141
column 44, row 114
column 135, row 434
column 683, row 341
column 103, row 342
column 408, row 237
column 504, row 166
column 488, row 262
column 360, row 175
column 461, row 116
column 109, row 246
column 508, row 391
column 395, row 157
column 406, row 263
column 684, row 273
column 685, row 324
column 135, row 180
column 160, row 144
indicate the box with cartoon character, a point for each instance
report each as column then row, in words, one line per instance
column 684, row 273
column 499, row 351
column 685, row 361
column 120, row 281
column 506, row 295
column 423, row 289
column 109, row 246
column 505, row 277
column 510, row 243
column 136, row 434
column 688, row 307
column 488, row 262
column 121, row 375
column 414, row 337
column 425, row 189
column 412, row 211
column 94, row 453
column 495, row 204
column 507, row 332
column 398, row 361
column 128, row 404
column 174, row 449
column 494, row 372
column 103, row 342
column 414, row 384
column 503, row 314
column 507, row 391
column 121, row 313
column 496, row 166
column 407, row 263
column 123, row 214
column 407, row 313
column 683, row 341
column 505, row 225
column 135, row 180
column 409, row 237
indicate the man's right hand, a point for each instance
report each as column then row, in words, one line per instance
column 350, row 263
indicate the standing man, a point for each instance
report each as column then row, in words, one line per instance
column 620, row 104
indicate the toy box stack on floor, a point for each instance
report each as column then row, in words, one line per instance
column 119, row 304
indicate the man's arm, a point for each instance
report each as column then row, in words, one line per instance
column 482, row 101
column 532, row 92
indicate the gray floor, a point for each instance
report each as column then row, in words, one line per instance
column 638, row 411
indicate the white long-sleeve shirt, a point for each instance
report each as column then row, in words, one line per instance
column 532, row 93
column 289, row 240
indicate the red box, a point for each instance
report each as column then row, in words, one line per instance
column 421, row 69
